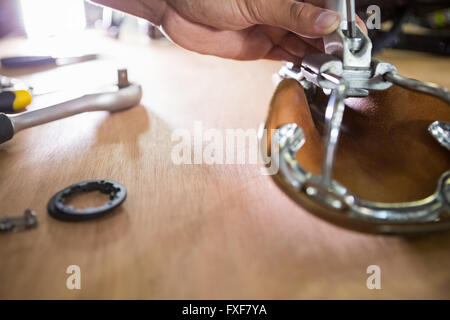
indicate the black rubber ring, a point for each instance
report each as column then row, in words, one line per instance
column 57, row 209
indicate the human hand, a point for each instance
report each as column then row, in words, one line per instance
column 239, row 29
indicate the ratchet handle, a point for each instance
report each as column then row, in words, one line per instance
column 6, row 128
column 119, row 100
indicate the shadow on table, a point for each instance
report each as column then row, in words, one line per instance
column 124, row 128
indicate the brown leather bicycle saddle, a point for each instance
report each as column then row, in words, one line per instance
column 385, row 152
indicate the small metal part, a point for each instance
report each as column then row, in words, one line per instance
column 59, row 210
column 440, row 131
column 326, row 72
column 7, row 83
column 290, row 70
column 342, row 47
column 353, row 48
column 323, row 70
column 27, row 221
column 355, row 44
column 122, row 75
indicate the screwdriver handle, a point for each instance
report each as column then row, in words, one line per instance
column 27, row 61
column 14, row 100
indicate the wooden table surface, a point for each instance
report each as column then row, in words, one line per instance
column 188, row 231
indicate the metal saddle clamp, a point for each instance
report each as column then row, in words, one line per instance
column 347, row 69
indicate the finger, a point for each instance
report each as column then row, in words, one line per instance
column 299, row 17
column 249, row 44
column 296, row 46
column 316, row 43
column 279, row 54
column 277, row 35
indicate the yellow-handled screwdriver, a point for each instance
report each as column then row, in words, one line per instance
column 14, row 100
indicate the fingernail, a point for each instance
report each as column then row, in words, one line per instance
column 327, row 19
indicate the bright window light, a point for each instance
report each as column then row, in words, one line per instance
column 52, row 17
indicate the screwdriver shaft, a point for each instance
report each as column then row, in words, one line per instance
column 351, row 18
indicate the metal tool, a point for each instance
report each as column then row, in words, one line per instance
column 125, row 96
column 347, row 69
column 27, row 221
column 38, row 61
column 7, row 83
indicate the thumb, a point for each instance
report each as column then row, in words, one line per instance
column 299, row 17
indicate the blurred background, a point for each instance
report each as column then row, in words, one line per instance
column 37, row 36
column 44, row 18
column 418, row 25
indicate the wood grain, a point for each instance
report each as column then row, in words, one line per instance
column 189, row 231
